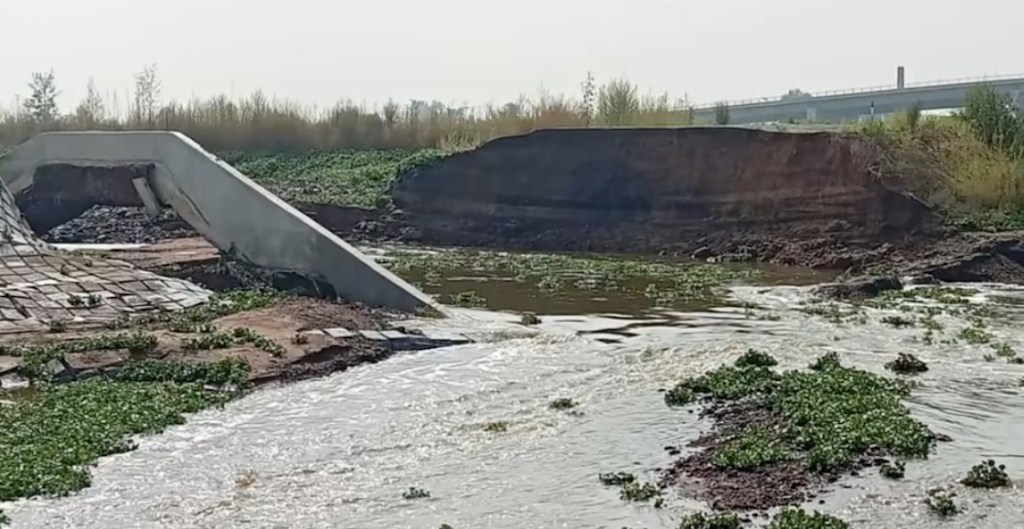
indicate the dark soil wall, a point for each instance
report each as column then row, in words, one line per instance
column 652, row 190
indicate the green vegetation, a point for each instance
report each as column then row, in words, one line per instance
column 468, row 299
column 754, row 448
column 641, row 492
column 793, row 518
column 553, row 273
column 907, row 364
column 755, row 358
column 941, row 503
column 346, row 178
column 48, row 440
column 616, row 479
column 238, row 336
column 710, row 521
column 898, row 321
column 200, row 318
column 36, row 358
column 497, row 426
column 415, row 493
column 831, row 414
column 529, row 318
column 230, row 371
column 893, row 470
column 256, row 122
column 969, row 165
column 987, row 475
column 563, row 404
column 975, row 334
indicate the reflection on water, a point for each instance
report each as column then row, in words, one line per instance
column 339, row 452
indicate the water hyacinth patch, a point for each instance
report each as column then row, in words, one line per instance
column 831, row 415
column 48, row 441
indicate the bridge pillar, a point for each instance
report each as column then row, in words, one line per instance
column 812, row 114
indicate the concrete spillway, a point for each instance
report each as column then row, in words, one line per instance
column 233, row 212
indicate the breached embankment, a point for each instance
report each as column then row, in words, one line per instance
column 806, row 199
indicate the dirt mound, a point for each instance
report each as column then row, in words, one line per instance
column 789, row 197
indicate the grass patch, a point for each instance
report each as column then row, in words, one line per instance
column 831, row 414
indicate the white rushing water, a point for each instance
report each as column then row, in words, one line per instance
column 339, row 452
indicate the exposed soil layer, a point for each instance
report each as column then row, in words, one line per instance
column 787, row 482
column 789, row 198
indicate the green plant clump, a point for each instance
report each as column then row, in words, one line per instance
column 415, row 493
column 616, row 479
column 48, row 441
column 907, row 364
column 497, row 426
column 894, row 470
column 792, row 518
column 552, row 273
column 636, row 491
column 832, row 414
column 941, row 503
column 753, row 448
column 710, row 521
column 338, row 177
column 469, row 299
column 35, row 358
column 230, row 371
column 754, row 358
column 563, row 404
column 987, row 475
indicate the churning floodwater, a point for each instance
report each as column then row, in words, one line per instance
column 339, row 452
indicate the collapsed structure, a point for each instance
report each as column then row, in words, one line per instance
column 56, row 176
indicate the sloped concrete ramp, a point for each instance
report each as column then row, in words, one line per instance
column 225, row 206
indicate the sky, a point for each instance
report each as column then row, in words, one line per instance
column 481, row 51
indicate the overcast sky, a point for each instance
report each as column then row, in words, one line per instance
column 479, row 51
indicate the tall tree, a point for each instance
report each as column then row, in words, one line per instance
column 91, row 110
column 147, row 96
column 41, row 104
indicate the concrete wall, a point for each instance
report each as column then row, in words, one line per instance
column 225, row 206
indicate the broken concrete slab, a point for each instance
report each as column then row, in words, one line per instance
column 258, row 228
column 339, row 333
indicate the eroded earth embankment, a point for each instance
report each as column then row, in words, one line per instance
column 810, row 199
column 797, row 198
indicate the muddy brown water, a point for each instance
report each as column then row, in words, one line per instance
column 339, row 452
